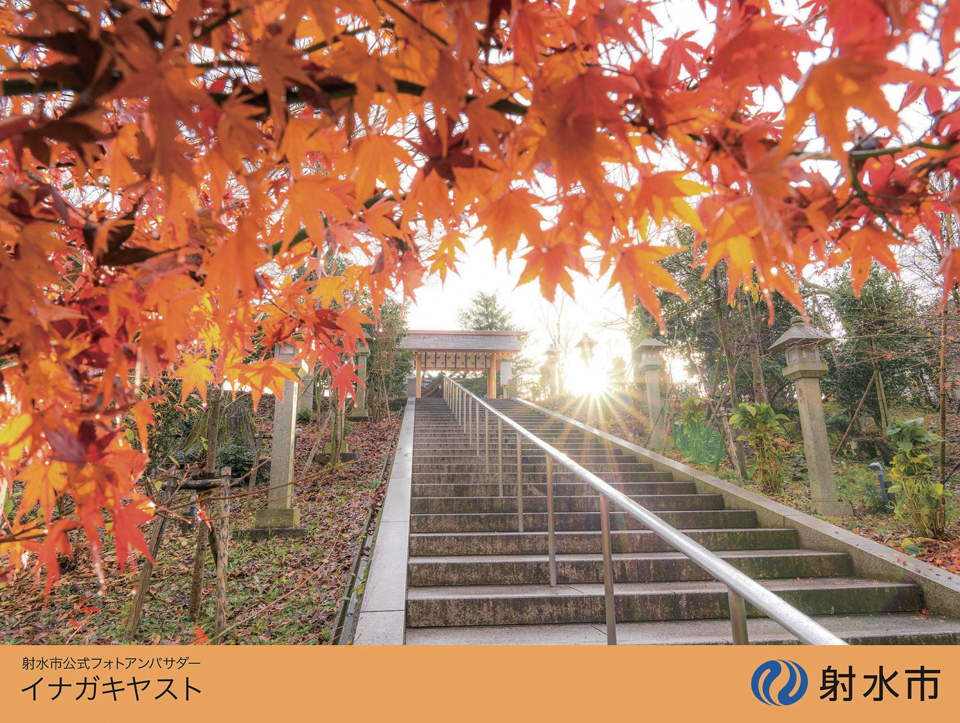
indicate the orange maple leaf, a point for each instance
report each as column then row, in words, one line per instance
column 862, row 247
column 833, row 87
column 663, row 196
column 377, row 156
column 639, row 274
column 950, row 271
column 194, row 371
column 511, row 217
column 552, row 265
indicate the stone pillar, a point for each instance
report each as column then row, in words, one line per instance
column 280, row 513
column 651, row 364
column 359, row 411
column 305, row 400
column 804, row 368
column 411, row 386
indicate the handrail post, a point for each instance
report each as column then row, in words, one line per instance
column 610, row 603
column 477, row 420
column 519, row 484
column 486, row 440
column 469, row 420
column 500, row 454
column 738, row 617
column 551, row 538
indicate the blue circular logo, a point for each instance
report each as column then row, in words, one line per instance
column 789, row 691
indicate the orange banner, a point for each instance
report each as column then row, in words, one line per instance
column 466, row 683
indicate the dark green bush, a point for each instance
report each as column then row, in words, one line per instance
column 237, row 457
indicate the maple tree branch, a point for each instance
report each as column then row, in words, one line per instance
column 864, row 197
column 302, row 235
column 25, row 87
column 219, row 23
column 403, row 11
column 858, row 155
column 334, row 88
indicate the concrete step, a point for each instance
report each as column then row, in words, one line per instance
column 510, row 451
column 642, row 602
column 627, row 567
column 535, row 543
column 507, row 522
column 456, row 444
column 876, row 629
column 422, row 476
column 467, row 464
column 576, row 503
column 539, row 489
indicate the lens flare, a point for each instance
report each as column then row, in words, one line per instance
column 588, row 381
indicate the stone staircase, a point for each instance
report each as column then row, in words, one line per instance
column 474, row 578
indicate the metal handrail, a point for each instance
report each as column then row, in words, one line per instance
column 740, row 587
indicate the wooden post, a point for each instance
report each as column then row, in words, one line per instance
column 199, row 559
column 223, row 544
column 255, row 472
column 492, row 377
column 143, row 584
column 881, row 392
column 853, row 419
column 419, row 372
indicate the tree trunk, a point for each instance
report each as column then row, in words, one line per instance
column 213, row 428
column 738, row 458
column 759, row 382
column 943, row 394
column 336, row 429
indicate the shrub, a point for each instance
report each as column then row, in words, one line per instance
column 237, row 457
column 700, row 444
column 761, row 426
column 921, row 501
column 304, row 415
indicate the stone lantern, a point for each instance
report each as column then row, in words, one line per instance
column 550, row 369
column 647, row 353
column 586, row 345
column 360, row 411
column 801, row 344
column 618, row 375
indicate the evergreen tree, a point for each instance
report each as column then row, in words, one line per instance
column 486, row 313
